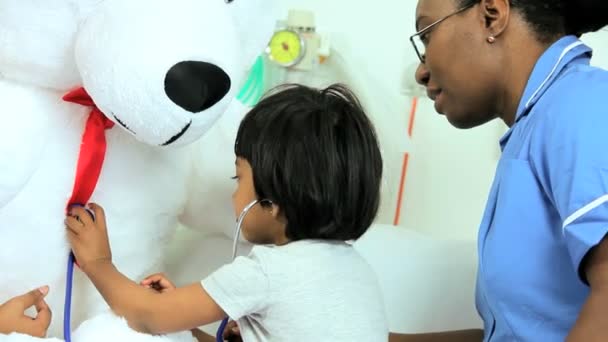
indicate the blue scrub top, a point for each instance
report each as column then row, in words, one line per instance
column 548, row 205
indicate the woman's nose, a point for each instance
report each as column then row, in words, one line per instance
column 422, row 75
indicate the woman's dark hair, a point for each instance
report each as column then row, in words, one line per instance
column 551, row 18
column 315, row 154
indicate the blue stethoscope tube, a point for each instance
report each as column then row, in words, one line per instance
column 69, row 281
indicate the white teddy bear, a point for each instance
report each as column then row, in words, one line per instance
column 162, row 72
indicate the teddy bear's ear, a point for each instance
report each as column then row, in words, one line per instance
column 255, row 21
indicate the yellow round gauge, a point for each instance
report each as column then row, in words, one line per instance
column 286, row 48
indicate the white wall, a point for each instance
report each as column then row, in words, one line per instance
column 450, row 170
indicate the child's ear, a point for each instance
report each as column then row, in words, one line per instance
column 275, row 211
column 272, row 208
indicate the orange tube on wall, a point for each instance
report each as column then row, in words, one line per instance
column 406, row 157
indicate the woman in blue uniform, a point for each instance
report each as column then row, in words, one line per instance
column 543, row 256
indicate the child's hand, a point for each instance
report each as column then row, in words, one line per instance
column 13, row 318
column 158, row 282
column 88, row 237
column 232, row 332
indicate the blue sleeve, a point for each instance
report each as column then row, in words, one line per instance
column 572, row 155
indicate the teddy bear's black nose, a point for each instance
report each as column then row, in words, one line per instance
column 196, row 86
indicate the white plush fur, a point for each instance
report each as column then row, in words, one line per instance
column 37, row 40
column 106, row 327
column 26, row 338
column 120, row 51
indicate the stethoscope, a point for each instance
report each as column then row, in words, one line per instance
column 70, row 271
column 239, row 222
column 69, row 281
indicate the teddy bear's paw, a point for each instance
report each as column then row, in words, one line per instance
column 109, row 327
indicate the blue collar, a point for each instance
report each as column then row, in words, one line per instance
column 548, row 67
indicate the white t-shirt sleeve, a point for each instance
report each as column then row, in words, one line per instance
column 241, row 287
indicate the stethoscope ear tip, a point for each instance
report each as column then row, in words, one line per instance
column 266, row 202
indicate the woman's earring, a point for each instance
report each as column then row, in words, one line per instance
column 491, row 39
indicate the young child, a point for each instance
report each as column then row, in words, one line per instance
column 311, row 159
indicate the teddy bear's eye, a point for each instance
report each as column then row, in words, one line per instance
column 228, row 1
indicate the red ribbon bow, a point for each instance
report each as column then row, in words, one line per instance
column 92, row 149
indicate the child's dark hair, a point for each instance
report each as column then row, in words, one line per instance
column 550, row 18
column 315, row 154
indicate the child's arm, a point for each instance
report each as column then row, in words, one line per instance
column 149, row 311
column 145, row 310
column 162, row 284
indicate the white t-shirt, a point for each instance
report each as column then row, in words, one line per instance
column 308, row 291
